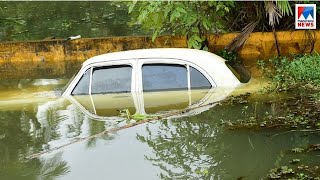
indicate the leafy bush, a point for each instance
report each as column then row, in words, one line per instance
column 305, row 69
column 231, row 57
column 296, row 71
column 194, row 19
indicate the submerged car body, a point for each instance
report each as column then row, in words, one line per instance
column 107, row 106
column 150, row 80
column 151, row 70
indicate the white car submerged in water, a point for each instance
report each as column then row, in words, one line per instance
column 150, row 80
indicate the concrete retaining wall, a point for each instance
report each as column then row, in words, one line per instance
column 52, row 58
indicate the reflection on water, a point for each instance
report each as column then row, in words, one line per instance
column 32, row 119
column 40, row 20
column 198, row 148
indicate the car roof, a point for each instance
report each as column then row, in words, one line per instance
column 192, row 55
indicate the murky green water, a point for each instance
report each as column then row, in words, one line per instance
column 39, row 20
column 33, row 119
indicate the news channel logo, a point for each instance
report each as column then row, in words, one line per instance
column 305, row 16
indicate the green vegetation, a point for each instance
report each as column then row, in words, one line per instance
column 231, row 56
column 125, row 113
column 298, row 80
column 300, row 172
column 277, row 173
column 297, row 72
column 192, row 18
column 196, row 19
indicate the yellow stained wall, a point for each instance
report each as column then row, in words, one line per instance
column 50, row 58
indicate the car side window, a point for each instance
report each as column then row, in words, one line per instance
column 161, row 77
column 82, row 88
column 112, row 79
column 198, row 80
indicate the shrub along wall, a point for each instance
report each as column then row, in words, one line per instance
column 57, row 57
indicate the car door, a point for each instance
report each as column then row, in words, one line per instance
column 166, row 84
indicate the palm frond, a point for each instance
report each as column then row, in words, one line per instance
column 273, row 12
column 284, row 7
column 239, row 41
column 53, row 167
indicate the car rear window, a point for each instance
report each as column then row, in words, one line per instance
column 198, row 80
